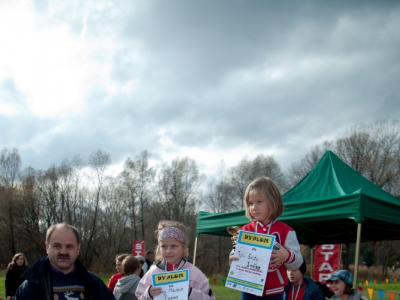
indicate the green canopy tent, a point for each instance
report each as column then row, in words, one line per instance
column 332, row 204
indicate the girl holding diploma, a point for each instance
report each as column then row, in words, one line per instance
column 264, row 205
column 171, row 251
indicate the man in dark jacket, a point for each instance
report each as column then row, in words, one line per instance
column 61, row 275
column 149, row 259
column 301, row 287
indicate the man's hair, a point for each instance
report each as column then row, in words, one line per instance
column 129, row 265
column 267, row 188
column 59, row 226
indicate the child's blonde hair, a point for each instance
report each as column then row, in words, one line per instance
column 166, row 224
column 266, row 187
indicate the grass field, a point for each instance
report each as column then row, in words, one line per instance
column 223, row 293
column 220, row 291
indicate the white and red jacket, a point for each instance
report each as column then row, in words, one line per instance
column 286, row 236
column 201, row 289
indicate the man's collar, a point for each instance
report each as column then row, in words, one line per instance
column 57, row 271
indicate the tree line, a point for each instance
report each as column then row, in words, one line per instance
column 112, row 211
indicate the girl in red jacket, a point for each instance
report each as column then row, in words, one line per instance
column 264, row 205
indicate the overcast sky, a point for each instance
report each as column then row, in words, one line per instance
column 212, row 80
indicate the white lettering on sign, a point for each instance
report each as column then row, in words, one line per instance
column 328, row 247
column 325, row 266
column 326, row 258
column 326, row 254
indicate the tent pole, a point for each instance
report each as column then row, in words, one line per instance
column 357, row 254
column 195, row 250
column 312, row 262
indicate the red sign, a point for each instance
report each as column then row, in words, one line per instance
column 138, row 248
column 327, row 260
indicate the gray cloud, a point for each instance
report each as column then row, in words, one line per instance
column 226, row 73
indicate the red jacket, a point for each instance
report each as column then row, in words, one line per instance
column 113, row 281
column 286, row 236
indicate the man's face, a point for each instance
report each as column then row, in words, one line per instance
column 150, row 257
column 295, row 276
column 63, row 249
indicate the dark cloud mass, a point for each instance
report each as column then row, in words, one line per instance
column 269, row 75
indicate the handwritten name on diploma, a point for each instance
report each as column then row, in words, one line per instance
column 174, row 290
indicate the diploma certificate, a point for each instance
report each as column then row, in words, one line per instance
column 175, row 285
column 249, row 273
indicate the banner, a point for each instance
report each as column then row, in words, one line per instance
column 138, row 248
column 326, row 261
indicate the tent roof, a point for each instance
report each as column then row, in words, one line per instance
column 325, row 207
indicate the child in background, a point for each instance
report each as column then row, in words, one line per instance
column 171, row 252
column 342, row 281
column 126, row 286
column 301, row 287
column 118, row 265
column 264, row 205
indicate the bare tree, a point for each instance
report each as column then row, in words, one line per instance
column 137, row 177
column 99, row 161
column 29, row 215
column 297, row 171
column 372, row 149
column 220, row 196
column 247, row 170
column 49, row 192
column 69, row 188
column 10, row 165
column 114, row 229
column 178, row 190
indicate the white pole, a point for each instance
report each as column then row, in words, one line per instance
column 195, row 250
column 357, row 254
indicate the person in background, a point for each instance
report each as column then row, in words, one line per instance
column 341, row 284
column 141, row 262
column 126, row 286
column 171, row 252
column 301, row 287
column 149, row 259
column 263, row 202
column 118, row 265
column 60, row 275
column 16, row 268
